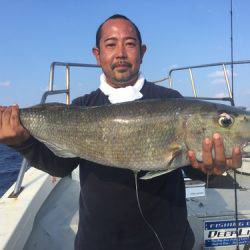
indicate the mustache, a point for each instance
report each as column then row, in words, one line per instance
column 121, row 63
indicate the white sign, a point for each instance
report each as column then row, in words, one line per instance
column 223, row 233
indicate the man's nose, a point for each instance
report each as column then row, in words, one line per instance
column 121, row 51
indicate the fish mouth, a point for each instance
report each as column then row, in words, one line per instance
column 245, row 150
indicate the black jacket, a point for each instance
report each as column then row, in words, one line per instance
column 109, row 218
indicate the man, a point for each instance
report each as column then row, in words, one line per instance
column 109, row 217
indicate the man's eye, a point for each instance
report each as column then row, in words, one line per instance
column 130, row 44
column 110, row 45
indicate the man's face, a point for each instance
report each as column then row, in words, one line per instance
column 120, row 53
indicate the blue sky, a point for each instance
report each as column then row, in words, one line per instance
column 177, row 33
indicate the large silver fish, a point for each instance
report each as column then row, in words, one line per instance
column 142, row 135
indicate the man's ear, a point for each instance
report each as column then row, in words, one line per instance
column 143, row 50
column 96, row 53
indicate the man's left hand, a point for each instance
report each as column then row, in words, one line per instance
column 218, row 164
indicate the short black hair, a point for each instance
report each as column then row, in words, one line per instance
column 116, row 16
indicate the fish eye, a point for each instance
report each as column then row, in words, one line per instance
column 225, row 120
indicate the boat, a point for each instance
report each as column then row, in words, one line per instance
column 34, row 214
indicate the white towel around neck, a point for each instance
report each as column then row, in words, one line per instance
column 126, row 94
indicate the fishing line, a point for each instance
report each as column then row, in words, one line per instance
column 206, row 198
column 144, row 218
column 232, row 80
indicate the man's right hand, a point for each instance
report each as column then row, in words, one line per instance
column 12, row 133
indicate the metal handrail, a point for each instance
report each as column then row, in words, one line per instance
column 25, row 165
column 66, row 64
column 53, row 92
column 18, row 186
column 223, row 64
column 207, row 65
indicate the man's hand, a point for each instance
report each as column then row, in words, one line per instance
column 220, row 163
column 12, row 133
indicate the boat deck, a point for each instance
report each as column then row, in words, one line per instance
column 56, row 222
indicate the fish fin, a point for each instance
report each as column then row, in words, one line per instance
column 57, row 150
column 175, row 150
column 49, row 104
column 153, row 174
column 57, row 104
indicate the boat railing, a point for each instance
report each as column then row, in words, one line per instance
column 25, row 165
column 190, row 69
column 67, row 66
column 169, row 78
